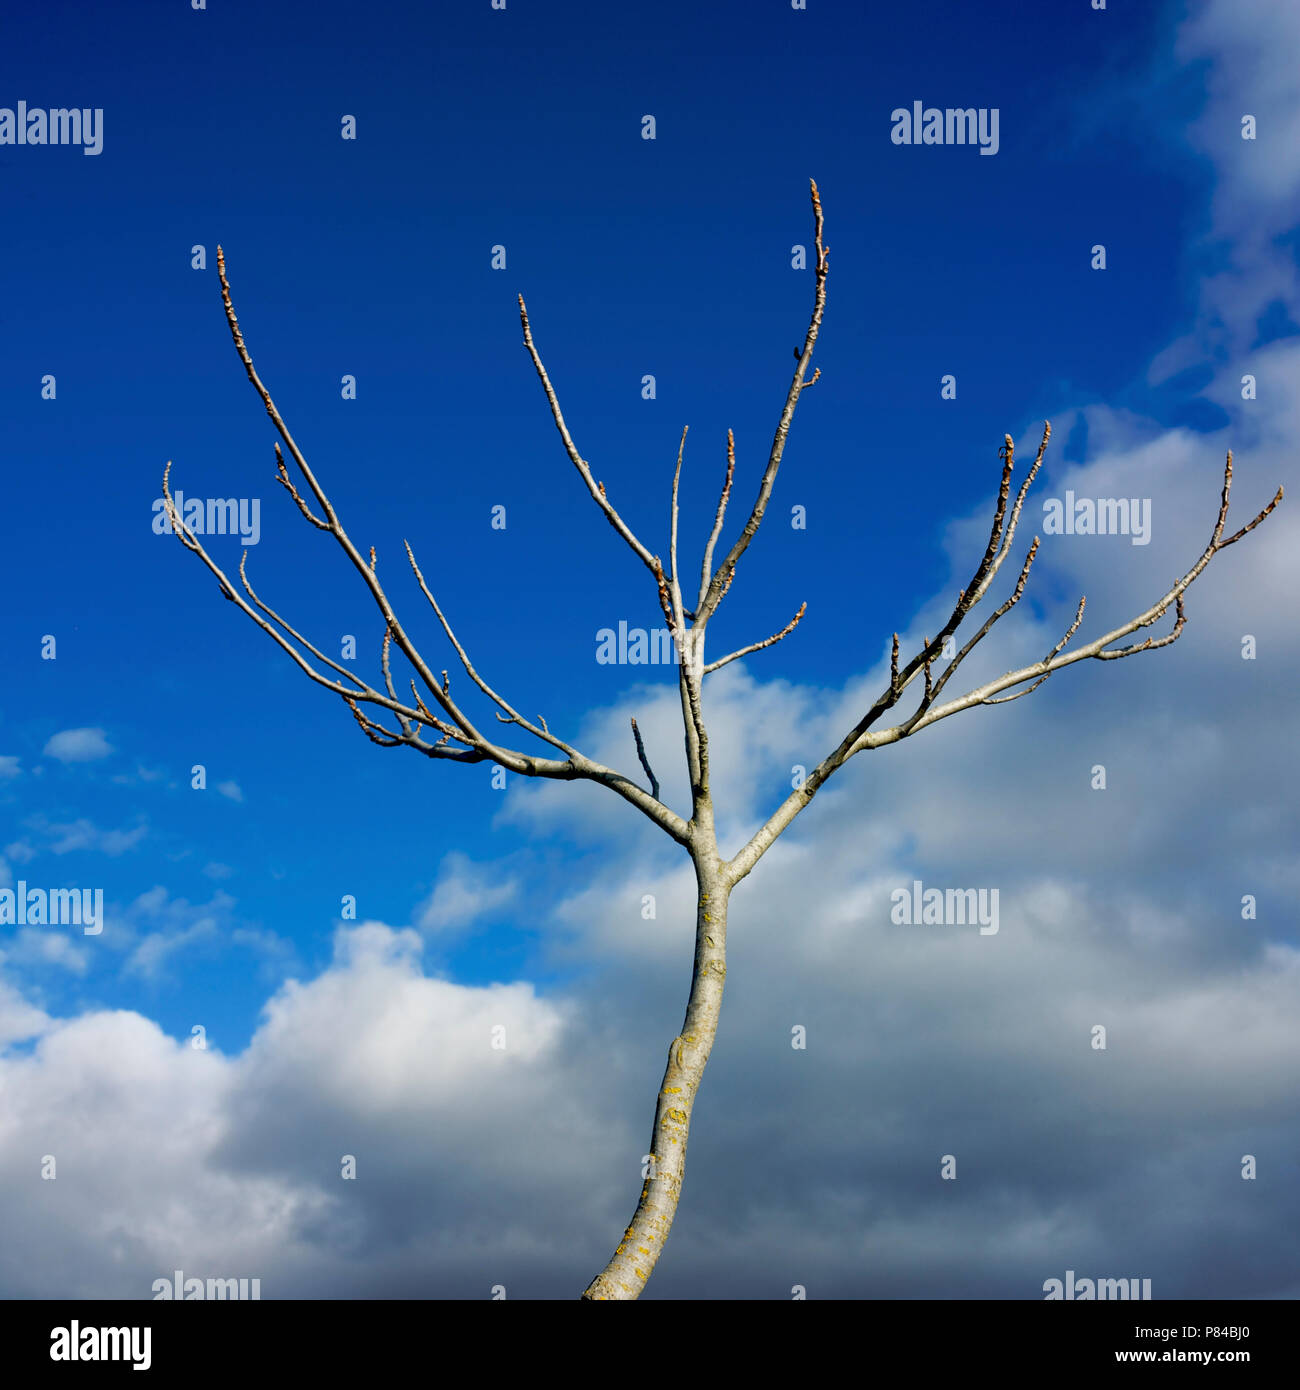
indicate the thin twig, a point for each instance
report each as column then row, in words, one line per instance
column 645, row 762
column 758, row 646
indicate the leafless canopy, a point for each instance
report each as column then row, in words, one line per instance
column 432, row 709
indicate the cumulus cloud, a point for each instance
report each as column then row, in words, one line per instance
column 516, row 1163
column 175, row 1158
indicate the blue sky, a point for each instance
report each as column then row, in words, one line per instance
column 671, row 257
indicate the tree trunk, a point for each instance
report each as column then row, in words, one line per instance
column 624, row 1277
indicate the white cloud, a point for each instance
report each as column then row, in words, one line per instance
column 156, row 928
column 234, row 1162
column 230, row 790
column 47, row 946
column 157, row 949
column 19, row 1022
column 141, row 774
column 83, row 834
column 78, row 746
column 1250, row 46
column 464, row 893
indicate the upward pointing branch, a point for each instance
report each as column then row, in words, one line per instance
column 706, row 570
column 721, row 581
column 596, row 489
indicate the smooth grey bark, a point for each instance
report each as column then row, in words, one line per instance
column 638, row 1252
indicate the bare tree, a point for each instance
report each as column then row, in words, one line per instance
column 437, row 711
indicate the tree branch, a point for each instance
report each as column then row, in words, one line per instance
column 363, row 692
column 860, row 738
column 640, row 752
column 758, row 646
column 482, row 750
column 706, row 570
column 597, row 490
column 541, row 732
column 721, row 581
column 675, row 589
column 1069, row 632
